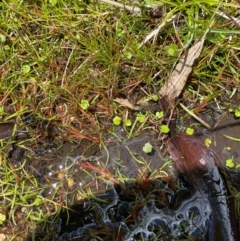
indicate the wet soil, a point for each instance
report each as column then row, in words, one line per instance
column 51, row 161
column 128, row 157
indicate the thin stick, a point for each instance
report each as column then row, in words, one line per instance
column 137, row 11
column 196, row 117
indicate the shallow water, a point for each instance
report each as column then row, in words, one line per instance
column 126, row 156
column 190, row 219
column 193, row 214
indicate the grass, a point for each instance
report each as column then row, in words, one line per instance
column 56, row 54
column 22, row 203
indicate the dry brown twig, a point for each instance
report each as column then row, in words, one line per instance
column 177, row 80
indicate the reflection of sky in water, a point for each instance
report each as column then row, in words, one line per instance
column 190, row 219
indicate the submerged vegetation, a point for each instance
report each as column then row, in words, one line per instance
column 64, row 66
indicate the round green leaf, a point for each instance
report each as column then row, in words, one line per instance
column 190, row 131
column 37, row 201
column 26, row 68
column 154, row 97
column 128, row 55
column 2, row 218
column 53, row 2
column 237, row 112
column 141, row 118
column 128, row 122
column 2, row 38
column 84, row 104
column 164, row 129
column 147, row 148
column 117, row 120
column 159, row 114
column 172, row 49
column 207, row 142
column 230, row 163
